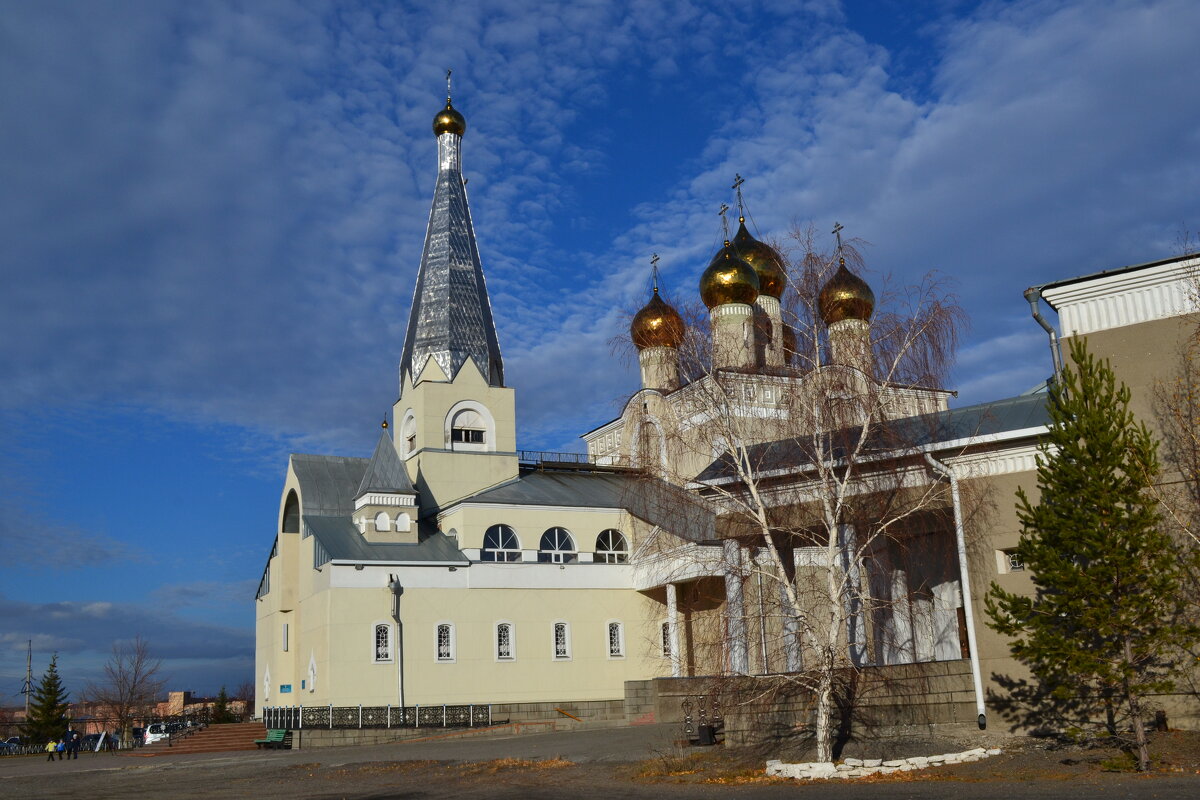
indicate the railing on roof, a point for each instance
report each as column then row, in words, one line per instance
column 546, row 458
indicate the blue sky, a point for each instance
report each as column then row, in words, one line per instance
column 212, row 215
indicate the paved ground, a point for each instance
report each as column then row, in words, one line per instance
column 580, row 765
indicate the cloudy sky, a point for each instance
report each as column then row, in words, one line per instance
column 212, row 215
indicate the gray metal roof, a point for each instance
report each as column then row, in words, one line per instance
column 451, row 316
column 385, row 473
column 649, row 499
column 342, row 541
column 328, row 483
column 924, row 431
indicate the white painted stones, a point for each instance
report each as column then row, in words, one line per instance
column 859, row 768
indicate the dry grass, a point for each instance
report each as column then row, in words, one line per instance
column 509, row 766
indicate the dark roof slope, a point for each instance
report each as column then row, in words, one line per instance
column 328, row 483
column 343, row 542
column 385, row 473
column 924, row 431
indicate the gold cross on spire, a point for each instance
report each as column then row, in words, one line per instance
column 654, row 270
column 837, row 231
column 724, row 221
column 448, row 85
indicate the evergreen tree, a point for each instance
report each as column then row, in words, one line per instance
column 220, row 708
column 1109, row 608
column 48, row 709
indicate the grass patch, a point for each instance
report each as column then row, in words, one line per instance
column 509, row 766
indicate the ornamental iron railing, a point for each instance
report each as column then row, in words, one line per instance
column 444, row 716
column 699, row 712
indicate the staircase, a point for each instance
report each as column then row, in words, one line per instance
column 213, row 739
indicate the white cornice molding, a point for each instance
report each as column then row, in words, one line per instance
column 1115, row 300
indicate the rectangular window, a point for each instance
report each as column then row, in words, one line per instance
column 616, row 640
column 666, row 640
column 383, row 642
column 504, row 642
column 562, row 648
column 466, row 435
column 285, row 637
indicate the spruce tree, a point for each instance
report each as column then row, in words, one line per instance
column 1108, row 611
column 220, row 708
column 48, row 709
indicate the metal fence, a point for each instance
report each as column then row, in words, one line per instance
column 300, row 717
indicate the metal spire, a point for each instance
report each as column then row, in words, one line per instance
column 448, row 85
column 738, row 180
column 724, row 221
column 837, row 231
column 654, row 270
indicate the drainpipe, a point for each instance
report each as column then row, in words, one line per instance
column 397, row 590
column 965, row 583
column 1033, row 294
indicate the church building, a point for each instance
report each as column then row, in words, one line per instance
column 450, row 567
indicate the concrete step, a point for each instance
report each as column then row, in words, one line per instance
column 213, row 739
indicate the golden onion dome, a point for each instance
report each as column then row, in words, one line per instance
column 845, row 296
column 448, row 120
column 728, row 279
column 657, row 325
column 772, row 279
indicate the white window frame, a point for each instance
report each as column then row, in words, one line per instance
column 408, row 434
column 558, row 556
column 512, row 641
column 506, row 550
column 566, row 651
column 488, row 445
column 387, row 522
column 621, row 556
column 437, row 643
column 391, row 642
column 608, row 639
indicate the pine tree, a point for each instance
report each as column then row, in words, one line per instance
column 1109, row 608
column 48, row 709
column 220, row 708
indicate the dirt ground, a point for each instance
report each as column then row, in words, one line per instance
column 602, row 764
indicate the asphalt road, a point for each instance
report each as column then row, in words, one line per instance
column 464, row 769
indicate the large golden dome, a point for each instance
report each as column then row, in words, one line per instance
column 845, row 296
column 728, row 279
column 657, row 325
column 448, row 120
column 772, row 279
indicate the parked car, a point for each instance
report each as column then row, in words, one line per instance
column 155, row 732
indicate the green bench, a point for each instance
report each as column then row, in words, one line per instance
column 276, row 738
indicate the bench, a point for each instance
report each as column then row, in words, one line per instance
column 276, row 738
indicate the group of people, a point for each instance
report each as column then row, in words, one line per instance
column 68, row 744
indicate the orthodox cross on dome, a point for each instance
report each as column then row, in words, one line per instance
column 724, row 221
column 448, row 85
column 738, row 180
column 837, row 231
column 654, row 270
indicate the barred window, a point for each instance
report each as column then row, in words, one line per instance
column 562, row 645
column 504, row 642
column 666, row 640
column 612, row 547
column 616, row 640
column 445, row 642
column 383, row 642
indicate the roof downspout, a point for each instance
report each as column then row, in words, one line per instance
column 965, row 585
column 1033, row 294
column 395, row 587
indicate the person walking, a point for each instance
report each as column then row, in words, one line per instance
column 51, row 747
column 60, row 748
column 75, row 744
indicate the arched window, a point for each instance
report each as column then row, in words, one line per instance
column 468, row 427
column 383, row 642
column 403, row 522
column 383, row 522
column 500, row 543
column 445, row 642
column 562, row 641
column 291, row 513
column 612, row 547
column 506, row 646
column 408, row 435
column 557, row 547
column 616, row 640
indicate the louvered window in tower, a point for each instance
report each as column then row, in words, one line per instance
column 468, row 427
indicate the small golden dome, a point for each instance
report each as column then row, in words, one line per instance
column 728, row 279
column 772, row 279
column 657, row 325
column 448, row 120
column 845, row 296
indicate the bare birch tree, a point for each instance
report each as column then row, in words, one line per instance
column 814, row 470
